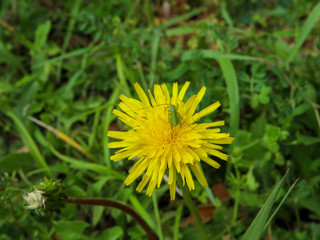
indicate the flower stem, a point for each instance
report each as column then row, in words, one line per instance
column 236, row 203
column 193, row 209
column 125, row 208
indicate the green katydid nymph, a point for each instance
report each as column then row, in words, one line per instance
column 175, row 118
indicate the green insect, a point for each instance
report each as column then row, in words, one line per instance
column 175, row 118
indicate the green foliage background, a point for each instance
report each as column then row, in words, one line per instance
column 66, row 62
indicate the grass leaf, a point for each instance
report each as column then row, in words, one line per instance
column 27, row 139
column 279, row 206
column 233, row 91
column 211, row 54
column 79, row 164
column 74, row 53
column 177, row 222
column 142, row 212
column 156, row 212
column 256, row 228
column 305, row 30
column 183, row 17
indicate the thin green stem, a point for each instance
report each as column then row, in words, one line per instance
column 156, row 212
column 316, row 112
column 235, row 208
column 24, row 177
column 193, row 209
column 236, row 203
column 177, row 222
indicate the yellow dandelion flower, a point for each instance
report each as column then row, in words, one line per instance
column 159, row 145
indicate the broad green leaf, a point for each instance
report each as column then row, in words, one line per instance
column 70, row 230
column 42, row 34
column 76, row 191
column 258, row 126
column 111, row 234
column 311, row 204
column 97, row 212
column 15, row 161
column 307, row 140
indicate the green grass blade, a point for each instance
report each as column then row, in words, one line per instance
column 94, row 130
column 225, row 14
column 180, row 31
column 154, row 53
column 74, row 53
column 305, row 30
column 142, row 212
column 132, row 9
column 183, row 17
column 209, row 193
column 72, row 81
column 72, row 22
column 233, row 91
column 256, row 228
column 81, row 115
column 141, row 76
column 71, row 25
column 230, row 78
column 121, row 75
column 156, row 212
column 27, row 139
column 109, row 117
column 282, row 201
column 79, row 164
column 177, row 222
column 211, row 54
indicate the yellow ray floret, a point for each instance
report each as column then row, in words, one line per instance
column 162, row 147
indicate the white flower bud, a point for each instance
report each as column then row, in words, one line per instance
column 35, row 199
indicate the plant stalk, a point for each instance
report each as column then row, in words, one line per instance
column 193, row 209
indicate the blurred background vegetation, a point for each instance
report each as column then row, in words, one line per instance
column 65, row 63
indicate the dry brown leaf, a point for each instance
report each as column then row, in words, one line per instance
column 206, row 214
column 220, row 191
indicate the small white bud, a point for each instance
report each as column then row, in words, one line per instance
column 35, row 199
